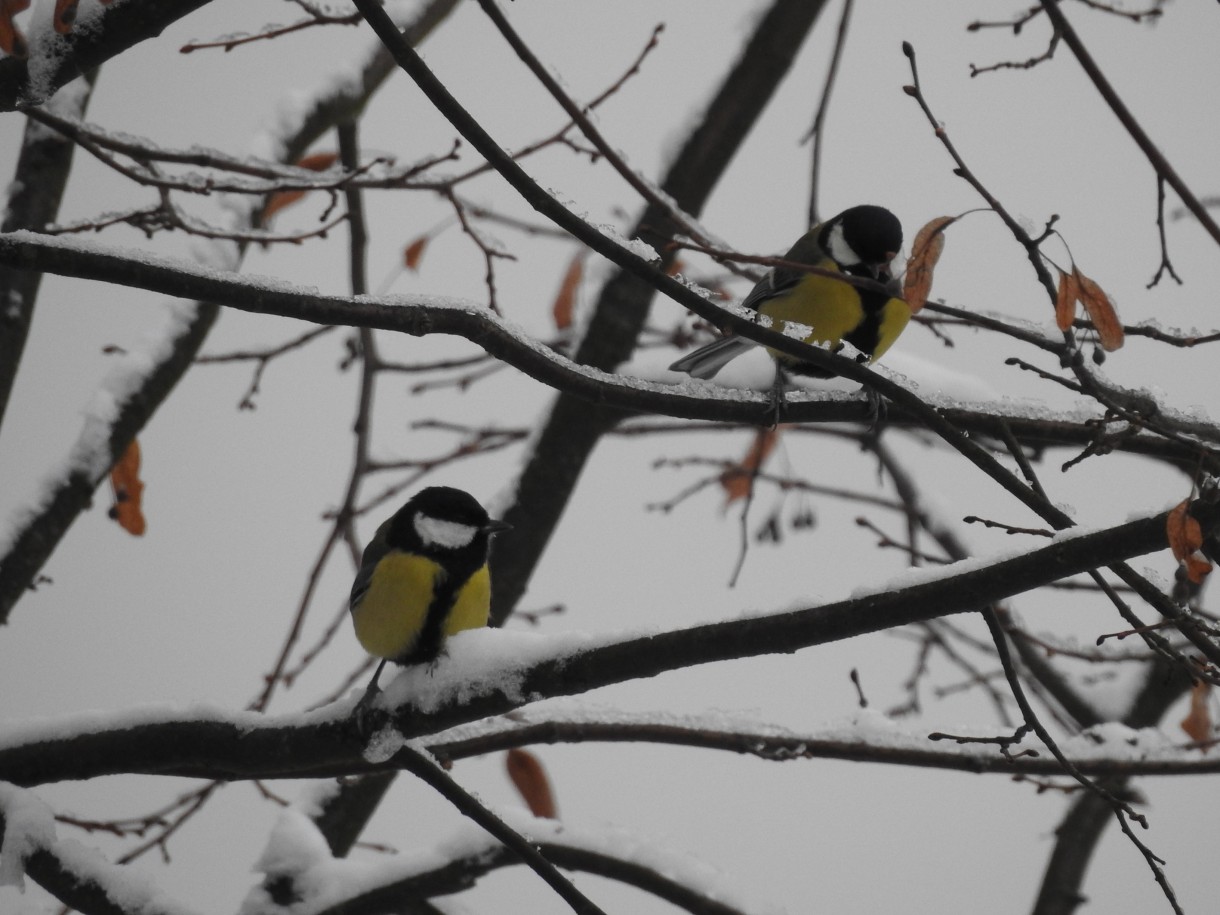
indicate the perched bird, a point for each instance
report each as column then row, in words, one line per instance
column 423, row 577
column 859, row 242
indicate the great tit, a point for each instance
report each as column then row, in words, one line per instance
column 860, row 242
column 422, row 578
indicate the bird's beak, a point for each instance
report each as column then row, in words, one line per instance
column 496, row 527
column 884, row 270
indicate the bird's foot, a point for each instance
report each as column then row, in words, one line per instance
column 367, row 717
column 877, row 410
column 779, row 401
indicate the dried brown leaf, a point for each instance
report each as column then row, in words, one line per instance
column 1183, row 531
column 1101, row 312
column 926, row 250
column 65, row 15
column 128, row 491
column 318, row 162
column 1198, row 721
column 12, row 42
column 1185, row 539
column 529, row 778
column 279, row 201
column 565, row 298
column 414, row 252
column 736, row 480
column 315, row 162
column 1065, row 301
column 1198, row 568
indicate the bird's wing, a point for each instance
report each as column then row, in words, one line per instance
column 779, row 280
column 706, row 361
column 373, row 553
column 776, row 282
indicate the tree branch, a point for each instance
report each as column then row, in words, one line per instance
column 33, row 202
column 772, row 747
column 116, row 29
column 323, row 745
column 94, row 455
column 83, row 881
column 37, row 539
column 70, row 257
column 572, row 430
column 1077, row 835
column 1158, row 161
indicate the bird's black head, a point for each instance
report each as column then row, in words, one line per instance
column 440, row 519
column 872, row 232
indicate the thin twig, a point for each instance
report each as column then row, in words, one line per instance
column 430, row 772
column 815, row 131
column 1155, row 158
column 1123, row 811
column 1165, row 266
column 228, row 44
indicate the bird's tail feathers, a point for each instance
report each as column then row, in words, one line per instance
column 706, row 361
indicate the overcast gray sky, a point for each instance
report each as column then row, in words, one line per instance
column 195, row 611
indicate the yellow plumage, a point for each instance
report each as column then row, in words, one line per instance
column 833, row 310
column 390, row 616
column 859, row 243
column 422, row 578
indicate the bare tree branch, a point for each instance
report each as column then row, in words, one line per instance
column 33, row 203
column 38, row 537
column 93, row 890
column 1155, row 158
column 327, row 745
column 117, row 28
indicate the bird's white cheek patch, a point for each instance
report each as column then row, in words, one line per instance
column 448, row 534
column 840, row 250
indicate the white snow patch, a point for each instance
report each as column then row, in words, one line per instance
column 383, row 745
column 478, row 662
column 28, row 826
column 297, row 851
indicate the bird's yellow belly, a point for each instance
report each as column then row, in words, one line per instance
column 473, row 605
column 893, row 322
column 829, row 307
column 391, row 614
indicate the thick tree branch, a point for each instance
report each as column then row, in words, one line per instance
column 92, row 459
column 767, row 745
column 33, row 203
column 38, row 538
column 69, row 257
column 418, row 764
column 93, row 889
column 572, row 430
column 458, row 874
column 558, row 485
column 116, row 29
column 326, row 746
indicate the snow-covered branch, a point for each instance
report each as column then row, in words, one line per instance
column 498, row 676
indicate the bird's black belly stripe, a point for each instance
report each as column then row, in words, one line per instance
column 865, row 336
column 427, row 646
